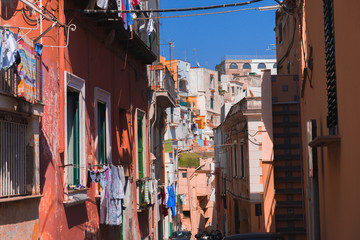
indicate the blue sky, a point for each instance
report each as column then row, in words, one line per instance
column 213, row 36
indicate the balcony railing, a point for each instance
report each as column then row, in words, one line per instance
column 9, row 81
column 161, row 79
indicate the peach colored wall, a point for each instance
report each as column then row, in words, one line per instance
column 338, row 163
column 199, row 188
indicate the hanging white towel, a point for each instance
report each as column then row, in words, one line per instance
column 212, row 196
column 9, row 49
column 150, row 26
column 102, row 4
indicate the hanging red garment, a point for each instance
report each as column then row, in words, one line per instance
column 135, row 2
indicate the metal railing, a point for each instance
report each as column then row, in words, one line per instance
column 12, row 158
column 169, row 84
column 9, row 81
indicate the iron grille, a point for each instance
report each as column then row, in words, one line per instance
column 332, row 118
column 12, row 158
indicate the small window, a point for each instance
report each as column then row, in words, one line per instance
column 274, row 99
column 275, row 65
column 184, row 174
column 212, row 82
column 212, row 103
column 261, row 66
column 232, row 90
column 246, row 66
column 233, row 66
column 296, row 98
column 285, row 88
column 280, row 27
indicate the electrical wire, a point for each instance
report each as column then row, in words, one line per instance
column 201, row 14
column 166, row 10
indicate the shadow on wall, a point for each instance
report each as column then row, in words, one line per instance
column 144, row 223
column 8, row 8
column 76, row 215
column 19, row 211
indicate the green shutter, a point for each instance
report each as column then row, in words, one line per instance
column 102, row 133
column 73, row 136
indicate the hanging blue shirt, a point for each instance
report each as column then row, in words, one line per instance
column 171, row 201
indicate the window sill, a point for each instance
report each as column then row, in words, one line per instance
column 74, row 201
column 324, row 141
column 76, row 196
column 19, row 198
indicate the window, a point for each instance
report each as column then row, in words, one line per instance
column 171, row 114
column 286, row 119
column 285, row 88
column 274, row 99
column 14, row 164
column 233, row 66
column 242, row 160
column 232, row 90
column 275, row 65
column 235, row 160
column 141, row 151
column 280, row 28
column 212, row 103
column 73, row 138
column 75, row 172
column 140, row 146
column 102, row 125
column 261, row 66
column 246, row 66
column 212, row 82
column 184, row 174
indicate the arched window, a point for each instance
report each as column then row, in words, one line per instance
column 261, row 66
column 233, row 66
column 275, row 65
column 246, row 66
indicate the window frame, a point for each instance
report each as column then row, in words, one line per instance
column 233, row 64
column 242, row 160
column 234, row 153
column 142, row 114
column 246, row 66
column 261, row 64
column 76, row 84
column 104, row 97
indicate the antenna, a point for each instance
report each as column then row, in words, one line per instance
column 197, row 63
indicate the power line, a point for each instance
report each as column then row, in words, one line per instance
column 166, row 10
column 197, row 14
column 203, row 14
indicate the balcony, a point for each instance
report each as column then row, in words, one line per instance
column 137, row 41
column 163, row 84
column 9, row 82
column 18, row 96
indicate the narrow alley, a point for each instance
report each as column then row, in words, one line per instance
column 116, row 123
